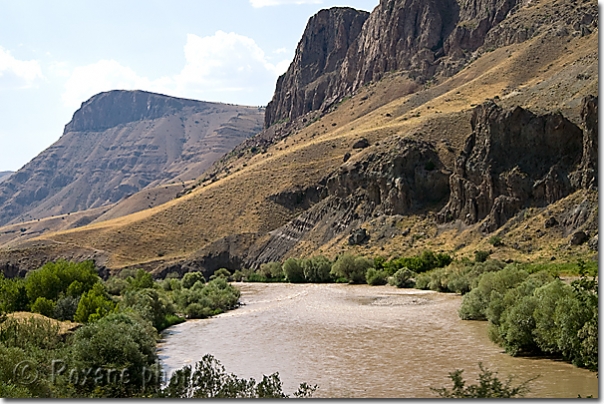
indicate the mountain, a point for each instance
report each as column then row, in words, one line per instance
column 461, row 121
column 5, row 174
column 120, row 142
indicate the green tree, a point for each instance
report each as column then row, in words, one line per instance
column 190, row 278
column 43, row 306
column 317, row 269
column 94, row 305
column 293, row 270
column 375, row 277
column 141, row 280
column 55, row 278
column 350, row 267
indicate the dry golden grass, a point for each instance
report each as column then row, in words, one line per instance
column 64, row 326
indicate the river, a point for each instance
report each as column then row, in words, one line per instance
column 358, row 341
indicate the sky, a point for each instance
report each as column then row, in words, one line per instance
column 54, row 55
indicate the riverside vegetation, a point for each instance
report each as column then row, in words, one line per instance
column 110, row 349
column 117, row 321
column 530, row 310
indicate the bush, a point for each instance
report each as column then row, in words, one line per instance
column 293, row 271
column 207, row 300
column 237, row 276
column 209, row 380
column 376, row 278
column 94, row 305
column 116, row 286
column 317, row 269
column 152, row 306
column 141, row 280
column 66, row 307
column 43, row 306
column 57, row 277
column 403, row 278
column 352, row 268
column 221, row 273
column 190, row 278
column 475, row 303
column 272, row 270
column 481, row 256
column 117, row 341
column 13, row 295
column 495, row 241
column 418, row 264
column 489, row 386
column 422, row 281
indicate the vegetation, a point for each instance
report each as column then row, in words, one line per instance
column 113, row 352
column 209, row 380
column 489, row 386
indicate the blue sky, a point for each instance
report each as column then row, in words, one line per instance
column 54, row 55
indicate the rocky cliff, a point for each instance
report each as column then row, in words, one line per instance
column 314, row 70
column 422, row 38
column 120, row 142
column 515, row 159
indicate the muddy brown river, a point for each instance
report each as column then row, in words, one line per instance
column 358, row 341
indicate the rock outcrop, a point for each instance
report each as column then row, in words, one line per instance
column 514, row 159
column 343, row 49
column 314, row 71
column 120, row 142
column 403, row 177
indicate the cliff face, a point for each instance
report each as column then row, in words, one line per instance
column 400, row 177
column 120, row 142
column 319, row 55
column 515, row 159
column 343, row 49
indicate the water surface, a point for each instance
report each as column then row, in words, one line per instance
column 358, row 341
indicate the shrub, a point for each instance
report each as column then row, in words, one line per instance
column 43, row 306
column 13, row 295
column 152, row 306
column 293, row 271
column 422, row 281
column 475, row 303
column 376, row 278
column 317, row 269
column 66, row 308
column 403, row 278
column 418, row 264
column 55, row 278
column 209, row 380
column 237, row 276
column 221, row 273
column 94, row 305
column 272, row 270
column 481, row 256
column 495, row 241
column 117, row 341
column 489, row 386
column 207, row 299
column 141, row 280
column 350, row 267
column 115, row 286
column 190, row 278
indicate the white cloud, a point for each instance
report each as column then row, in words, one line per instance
column 223, row 67
column 18, row 73
column 265, row 3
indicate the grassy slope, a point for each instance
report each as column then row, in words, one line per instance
column 238, row 202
